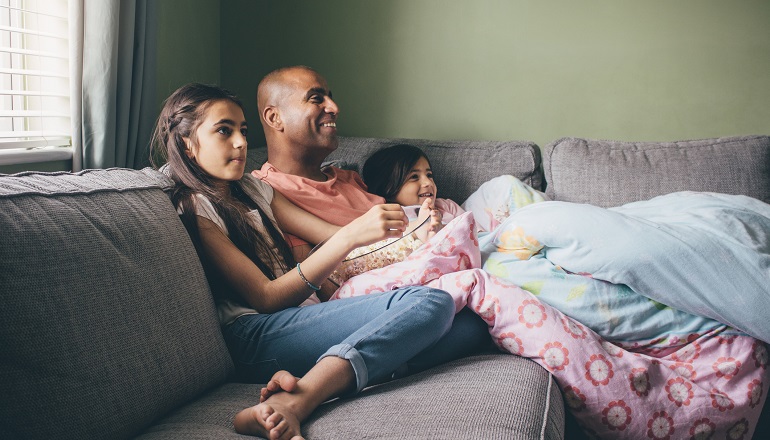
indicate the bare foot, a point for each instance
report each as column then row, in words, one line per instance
column 274, row 419
column 281, row 381
column 287, row 401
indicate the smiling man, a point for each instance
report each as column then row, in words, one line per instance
column 299, row 117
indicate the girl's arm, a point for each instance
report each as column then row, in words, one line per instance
column 289, row 290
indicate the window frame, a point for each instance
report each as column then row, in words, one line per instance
column 35, row 83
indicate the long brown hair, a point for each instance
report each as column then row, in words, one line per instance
column 182, row 114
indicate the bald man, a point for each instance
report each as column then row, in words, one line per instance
column 300, row 122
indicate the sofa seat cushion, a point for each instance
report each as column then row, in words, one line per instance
column 479, row 397
column 612, row 173
column 107, row 321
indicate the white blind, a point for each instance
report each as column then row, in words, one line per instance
column 34, row 74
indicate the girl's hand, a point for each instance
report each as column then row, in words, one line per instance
column 427, row 231
column 380, row 222
column 435, row 224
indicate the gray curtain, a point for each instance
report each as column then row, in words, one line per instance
column 113, row 73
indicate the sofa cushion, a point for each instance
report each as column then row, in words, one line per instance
column 459, row 167
column 107, row 321
column 611, row 173
column 479, row 397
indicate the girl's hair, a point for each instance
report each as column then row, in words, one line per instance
column 386, row 171
column 182, row 114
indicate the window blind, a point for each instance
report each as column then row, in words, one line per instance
column 34, row 74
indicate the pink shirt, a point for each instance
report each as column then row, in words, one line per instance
column 339, row 200
column 449, row 209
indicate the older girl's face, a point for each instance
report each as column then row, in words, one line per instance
column 220, row 149
column 419, row 185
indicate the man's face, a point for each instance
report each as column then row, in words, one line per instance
column 308, row 113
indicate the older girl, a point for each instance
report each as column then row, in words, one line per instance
column 336, row 347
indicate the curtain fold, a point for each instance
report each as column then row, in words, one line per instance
column 113, row 78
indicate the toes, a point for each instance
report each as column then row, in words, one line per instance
column 253, row 420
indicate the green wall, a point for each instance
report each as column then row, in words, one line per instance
column 489, row 69
column 506, row 69
column 188, row 44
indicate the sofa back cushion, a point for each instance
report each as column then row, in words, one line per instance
column 107, row 321
column 459, row 167
column 611, row 173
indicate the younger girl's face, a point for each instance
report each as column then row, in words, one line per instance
column 221, row 142
column 419, row 185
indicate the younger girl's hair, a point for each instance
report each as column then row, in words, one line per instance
column 386, row 170
column 182, row 114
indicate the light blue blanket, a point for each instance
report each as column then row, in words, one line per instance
column 671, row 267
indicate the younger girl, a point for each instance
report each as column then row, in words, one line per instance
column 402, row 174
column 338, row 346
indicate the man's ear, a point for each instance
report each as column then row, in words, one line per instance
column 272, row 118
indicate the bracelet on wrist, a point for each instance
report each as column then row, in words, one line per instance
column 309, row 284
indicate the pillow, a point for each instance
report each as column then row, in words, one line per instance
column 497, row 198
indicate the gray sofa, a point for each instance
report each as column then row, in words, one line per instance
column 108, row 328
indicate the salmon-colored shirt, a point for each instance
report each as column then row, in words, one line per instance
column 339, row 200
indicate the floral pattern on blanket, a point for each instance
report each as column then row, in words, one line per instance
column 712, row 386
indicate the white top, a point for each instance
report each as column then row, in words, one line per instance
column 262, row 194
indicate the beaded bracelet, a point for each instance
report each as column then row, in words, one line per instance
column 309, row 284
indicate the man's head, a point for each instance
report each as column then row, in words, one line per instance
column 298, row 115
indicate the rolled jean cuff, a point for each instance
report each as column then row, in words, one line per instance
column 347, row 351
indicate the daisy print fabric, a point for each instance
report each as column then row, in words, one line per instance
column 709, row 385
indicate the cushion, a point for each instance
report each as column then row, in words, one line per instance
column 484, row 396
column 497, row 199
column 611, row 173
column 459, row 167
column 107, row 321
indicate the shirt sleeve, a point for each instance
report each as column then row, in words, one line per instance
column 447, row 206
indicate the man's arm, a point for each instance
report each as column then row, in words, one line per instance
column 297, row 221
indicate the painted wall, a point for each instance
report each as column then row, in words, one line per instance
column 514, row 69
column 188, row 44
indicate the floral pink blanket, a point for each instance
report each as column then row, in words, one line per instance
column 712, row 386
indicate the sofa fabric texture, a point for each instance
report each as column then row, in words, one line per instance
column 489, row 396
column 106, row 319
column 612, row 173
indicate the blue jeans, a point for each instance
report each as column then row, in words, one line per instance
column 412, row 327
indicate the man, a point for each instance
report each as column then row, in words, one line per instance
column 299, row 117
column 300, row 122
